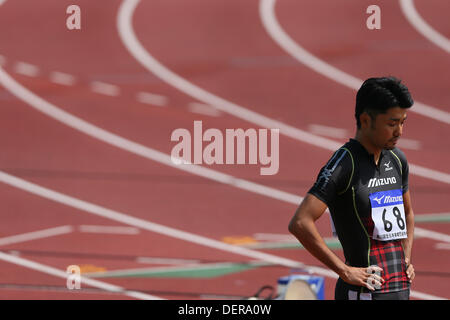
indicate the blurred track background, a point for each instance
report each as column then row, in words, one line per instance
column 86, row 118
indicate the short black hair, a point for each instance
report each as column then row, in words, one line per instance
column 377, row 95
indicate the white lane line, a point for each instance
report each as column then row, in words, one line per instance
column 409, row 144
column 84, row 280
column 26, row 69
column 438, row 236
column 108, row 229
column 126, row 32
column 429, row 173
column 432, row 217
column 151, row 98
column 442, row 246
column 322, row 130
column 204, row 109
column 29, row 236
column 62, row 78
column 414, row 18
column 164, row 230
column 104, row 88
column 267, row 14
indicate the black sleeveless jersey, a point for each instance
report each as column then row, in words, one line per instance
column 364, row 202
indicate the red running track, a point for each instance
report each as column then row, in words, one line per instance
column 223, row 48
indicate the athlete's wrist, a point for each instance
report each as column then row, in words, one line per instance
column 343, row 271
column 407, row 261
column 346, row 274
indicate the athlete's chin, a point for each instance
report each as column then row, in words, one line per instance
column 390, row 144
column 389, row 147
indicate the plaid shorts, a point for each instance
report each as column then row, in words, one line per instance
column 390, row 257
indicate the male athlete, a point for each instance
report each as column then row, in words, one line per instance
column 365, row 187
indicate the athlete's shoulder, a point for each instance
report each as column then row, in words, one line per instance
column 400, row 155
column 338, row 169
column 334, row 177
column 400, row 158
column 342, row 157
column 353, row 147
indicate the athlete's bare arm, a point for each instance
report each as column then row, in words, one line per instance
column 408, row 242
column 303, row 227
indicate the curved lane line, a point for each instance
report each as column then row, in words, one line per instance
column 414, row 18
column 132, row 44
column 273, row 28
column 126, row 32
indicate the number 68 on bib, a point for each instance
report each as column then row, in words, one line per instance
column 388, row 215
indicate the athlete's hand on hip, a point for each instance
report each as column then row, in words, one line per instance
column 369, row 278
column 409, row 270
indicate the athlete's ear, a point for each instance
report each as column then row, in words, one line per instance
column 365, row 120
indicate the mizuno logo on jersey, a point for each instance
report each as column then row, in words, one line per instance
column 381, row 182
column 378, row 200
column 388, row 167
column 390, row 199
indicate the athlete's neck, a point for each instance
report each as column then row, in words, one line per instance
column 368, row 145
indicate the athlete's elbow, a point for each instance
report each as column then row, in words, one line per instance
column 292, row 226
column 296, row 227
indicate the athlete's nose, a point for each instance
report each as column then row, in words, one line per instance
column 398, row 131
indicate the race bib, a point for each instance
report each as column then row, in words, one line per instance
column 388, row 215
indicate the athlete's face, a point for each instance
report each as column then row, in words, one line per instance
column 387, row 128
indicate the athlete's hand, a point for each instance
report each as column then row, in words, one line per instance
column 410, row 270
column 363, row 277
